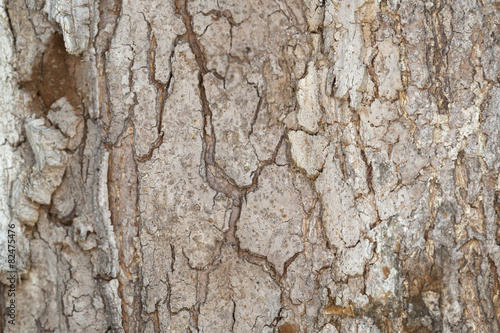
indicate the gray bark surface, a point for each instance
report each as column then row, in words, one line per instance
column 250, row 165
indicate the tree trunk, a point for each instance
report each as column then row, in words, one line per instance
column 250, row 166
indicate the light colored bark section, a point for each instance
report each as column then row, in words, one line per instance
column 10, row 138
column 73, row 16
column 251, row 166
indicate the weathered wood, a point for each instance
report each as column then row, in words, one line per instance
column 250, row 166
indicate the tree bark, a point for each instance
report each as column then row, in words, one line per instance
column 250, row 166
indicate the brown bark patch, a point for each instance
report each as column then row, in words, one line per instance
column 342, row 311
column 288, row 328
column 56, row 79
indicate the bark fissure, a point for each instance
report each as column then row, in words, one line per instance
column 289, row 166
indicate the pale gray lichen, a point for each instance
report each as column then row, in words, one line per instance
column 73, row 16
column 63, row 115
column 309, row 113
column 48, row 146
column 346, row 35
column 63, row 202
column 308, row 151
column 24, row 209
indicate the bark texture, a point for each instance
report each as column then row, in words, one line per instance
column 251, row 165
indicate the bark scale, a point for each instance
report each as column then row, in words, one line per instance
column 250, row 166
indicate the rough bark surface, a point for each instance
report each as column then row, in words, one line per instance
column 251, row 166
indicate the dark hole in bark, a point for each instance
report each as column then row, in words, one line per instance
column 57, row 68
column 53, row 76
